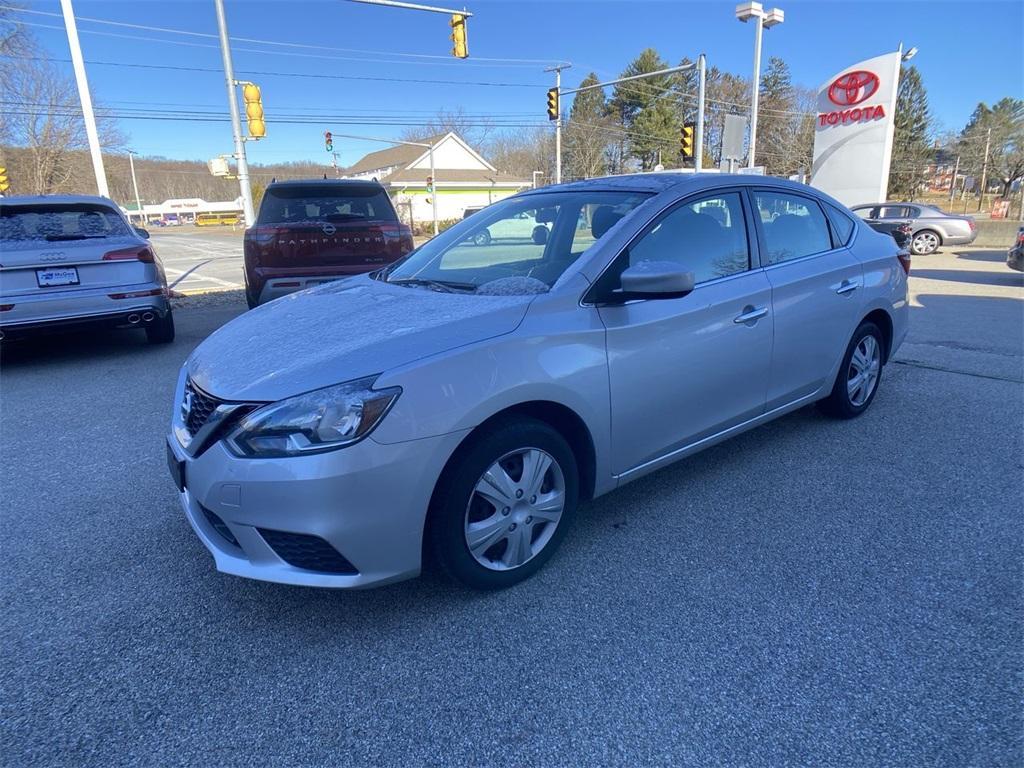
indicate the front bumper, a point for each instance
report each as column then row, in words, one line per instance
column 368, row 502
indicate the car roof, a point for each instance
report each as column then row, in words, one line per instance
column 57, row 200
column 326, row 183
column 682, row 182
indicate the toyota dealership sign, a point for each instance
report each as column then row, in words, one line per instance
column 853, row 131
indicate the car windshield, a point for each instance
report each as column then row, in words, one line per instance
column 291, row 204
column 59, row 222
column 532, row 239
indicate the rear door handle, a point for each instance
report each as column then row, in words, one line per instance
column 750, row 314
column 847, row 287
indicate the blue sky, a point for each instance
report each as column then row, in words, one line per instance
column 969, row 52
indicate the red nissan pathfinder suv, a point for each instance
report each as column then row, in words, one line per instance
column 309, row 232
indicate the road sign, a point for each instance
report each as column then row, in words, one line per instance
column 732, row 137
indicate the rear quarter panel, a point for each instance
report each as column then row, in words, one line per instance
column 885, row 282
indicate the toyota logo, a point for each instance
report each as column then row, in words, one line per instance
column 853, row 88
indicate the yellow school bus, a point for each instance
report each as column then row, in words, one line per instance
column 214, row 219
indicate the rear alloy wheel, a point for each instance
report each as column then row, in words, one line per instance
column 925, row 243
column 161, row 330
column 859, row 374
column 504, row 505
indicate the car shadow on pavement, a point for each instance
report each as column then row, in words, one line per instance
column 1007, row 279
column 993, row 256
column 71, row 346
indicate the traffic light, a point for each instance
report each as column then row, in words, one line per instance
column 4, row 183
column 254, row 110
column 686, row 140
column 430, row 184
column 552, row 103
column 460, row 49
column 328, row 141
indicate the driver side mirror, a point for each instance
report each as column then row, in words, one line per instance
column 654, row 280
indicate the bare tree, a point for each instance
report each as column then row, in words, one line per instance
column 473, row 131
column 522, row 151
column 44, row 117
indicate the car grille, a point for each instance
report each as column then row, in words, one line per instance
column 219, row 526
column 201, row 407
column 310, row 553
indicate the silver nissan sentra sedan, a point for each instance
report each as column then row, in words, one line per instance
column 459, row 404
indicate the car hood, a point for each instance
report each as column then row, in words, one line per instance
column 341, row 331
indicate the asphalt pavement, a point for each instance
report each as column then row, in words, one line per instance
column 200, row 259
column 810, row 593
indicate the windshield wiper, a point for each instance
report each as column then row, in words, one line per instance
column 54, row 238
column 438, row 285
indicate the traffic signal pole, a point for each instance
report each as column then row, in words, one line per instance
column 700, row 65
column 236, row 124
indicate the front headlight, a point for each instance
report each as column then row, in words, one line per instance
column 317, row 421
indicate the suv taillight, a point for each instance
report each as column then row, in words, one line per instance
column 904, row 257
column 144, row 254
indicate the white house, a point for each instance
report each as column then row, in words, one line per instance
column 462, row 177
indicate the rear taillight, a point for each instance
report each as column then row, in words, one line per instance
column 904, row 257
column 971, row 224
column 1020, row 238
column 131, row 254
column 407, row 243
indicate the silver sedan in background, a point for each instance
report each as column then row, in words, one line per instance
column 930, row 225
column 461, row 402
column 73, row 260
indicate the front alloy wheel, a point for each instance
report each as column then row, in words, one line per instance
column 504, row 503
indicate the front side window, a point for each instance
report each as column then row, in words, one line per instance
column 707, row 237
column 794, row 226
column 533, row 237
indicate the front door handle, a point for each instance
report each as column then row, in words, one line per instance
column 751, row 314
column 847, row 287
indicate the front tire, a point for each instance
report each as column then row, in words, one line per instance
column 504, row 504
column 482, row 237
column 925, row 243
column 859, row 374
column 161, row 330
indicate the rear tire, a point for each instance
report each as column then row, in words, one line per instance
column 161, row 330
column 524, row 531
column 859, row 374
column 925, row 243
column 482, row 238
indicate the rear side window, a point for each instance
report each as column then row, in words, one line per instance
column 55, row 222
column 318, row 203
column 842, row 224
column 794, row 226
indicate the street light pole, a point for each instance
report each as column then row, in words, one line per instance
column 236, row 124
column 135, row 184
column 763, row 19
column 83, row 94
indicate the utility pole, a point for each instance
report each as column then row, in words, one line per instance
column 952, row 184
column 83, row 94
column 698, row 150
column 984, row 169
column 433, row 189
column 558, row 121
column 236, row 124
column 135, row 184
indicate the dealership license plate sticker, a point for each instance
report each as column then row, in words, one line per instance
column 57, row 276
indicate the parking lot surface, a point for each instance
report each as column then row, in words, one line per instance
column 811, row 593
column 199, row 259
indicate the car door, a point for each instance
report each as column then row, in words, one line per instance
column 685, row 368
column 816, row 287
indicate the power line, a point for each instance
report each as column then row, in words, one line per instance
column 258, row 73
column 169, row 30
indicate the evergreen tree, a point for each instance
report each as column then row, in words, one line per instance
column 777, row 123
column 912, row 149
column 647, row 135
